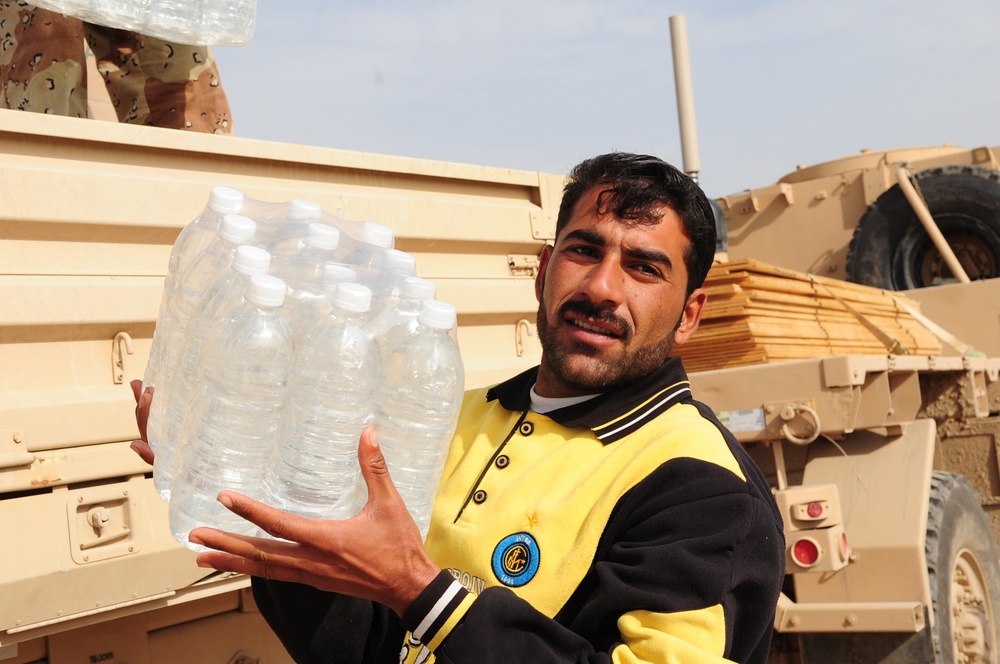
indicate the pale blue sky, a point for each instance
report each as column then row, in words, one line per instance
column 541, row 84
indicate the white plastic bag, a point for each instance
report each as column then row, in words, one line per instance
column 198, row 22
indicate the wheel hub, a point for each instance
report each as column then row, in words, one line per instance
column 971, row 616
column 973, row 253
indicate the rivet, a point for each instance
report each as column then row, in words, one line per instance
column 17, row 437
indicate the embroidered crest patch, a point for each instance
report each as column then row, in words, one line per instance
column 515, row 559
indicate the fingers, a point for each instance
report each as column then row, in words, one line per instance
column 241, row 554
column 272, row 521
column 142, row 402
column 142, row 448
column 374, row 469
column 136, row 386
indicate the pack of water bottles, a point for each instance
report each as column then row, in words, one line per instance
column 208, row 22
column 282, row 333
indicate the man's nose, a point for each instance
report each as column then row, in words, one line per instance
column 604, row 283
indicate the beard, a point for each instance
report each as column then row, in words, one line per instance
column 588, row 369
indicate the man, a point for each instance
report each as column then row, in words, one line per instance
column 150, row 81
column 590, row 509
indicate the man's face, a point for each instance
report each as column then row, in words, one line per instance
column 611, row 300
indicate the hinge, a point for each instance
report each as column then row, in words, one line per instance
column 522, row 265
column 14, row 450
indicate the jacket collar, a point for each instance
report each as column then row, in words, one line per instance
column 611, row 415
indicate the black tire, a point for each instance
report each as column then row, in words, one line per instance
column 959, row 543
column 890, row 248
column 964, row 570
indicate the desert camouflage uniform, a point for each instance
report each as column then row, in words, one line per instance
column 150, row 81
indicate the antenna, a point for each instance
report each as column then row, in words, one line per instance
column 685, row 96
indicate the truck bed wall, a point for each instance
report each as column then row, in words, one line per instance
column 88, row 213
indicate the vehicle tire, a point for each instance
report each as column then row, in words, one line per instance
column 964, row 575
column 890, row 248
column 964, row 571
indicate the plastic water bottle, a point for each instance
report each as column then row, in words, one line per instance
column 303, row 271
column 229, row 22
column 416, row 407
column 236, row 412
column 400, row 320
column 365, row 254
column 223, row 294
column 387, row 282
column 311, row 309
column 329, row 404
column 284, row 236
column 191, row 241
column 192, row 283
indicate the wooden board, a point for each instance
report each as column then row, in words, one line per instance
column 759, row 313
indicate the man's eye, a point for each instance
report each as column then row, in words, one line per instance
column 583, row 251
column 647, row 269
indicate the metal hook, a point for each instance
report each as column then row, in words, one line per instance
column 789, row 413
column 118, row 358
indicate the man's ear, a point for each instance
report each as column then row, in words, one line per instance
column 543, row 261
column 691, row 316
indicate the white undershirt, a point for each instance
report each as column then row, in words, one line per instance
column 540, row 404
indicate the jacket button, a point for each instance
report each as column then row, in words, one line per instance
column 526, row 428
column 503, row 461
column 479, row 497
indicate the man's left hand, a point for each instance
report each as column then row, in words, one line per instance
column 376, row 555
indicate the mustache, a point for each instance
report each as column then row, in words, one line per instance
column 590, row 310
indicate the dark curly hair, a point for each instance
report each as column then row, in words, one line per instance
column 636, row 185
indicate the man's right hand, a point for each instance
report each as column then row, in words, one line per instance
column 142, row 401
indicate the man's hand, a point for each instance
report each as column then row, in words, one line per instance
column 376, row 555
column 143, row 399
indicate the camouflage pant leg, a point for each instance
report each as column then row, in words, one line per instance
column 154, row 82
column 42, row 62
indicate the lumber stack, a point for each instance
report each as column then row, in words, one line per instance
column 759, row 313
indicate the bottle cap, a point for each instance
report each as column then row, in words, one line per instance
column 225, row 200
column 237, row 229
column 335, row 273
column 353, row 297
column 437, row 314
column 251, row 260
column 266, row 290
column 302, row 210
column 415, row 288
column 396, row 261
column 376, row 234
column 322, row 236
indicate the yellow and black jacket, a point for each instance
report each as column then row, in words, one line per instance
column 629, row 528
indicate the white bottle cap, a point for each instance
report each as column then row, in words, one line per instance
column 353, row 297
column 251, row 260
column 322, row 236
column 415, row 288
column 225, row 200
column 437, row 314
column 376, row 234
column 397, row 261
column 335, row 273
column 302, row 210
column 237, row 229
column 266, row 290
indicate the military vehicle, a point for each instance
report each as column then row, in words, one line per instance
column 884, row 464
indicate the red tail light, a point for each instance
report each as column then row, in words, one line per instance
column 806, row 552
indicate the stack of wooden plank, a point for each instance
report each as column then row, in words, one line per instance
column 759, row 313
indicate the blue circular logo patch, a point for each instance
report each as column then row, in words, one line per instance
column 515, row 560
